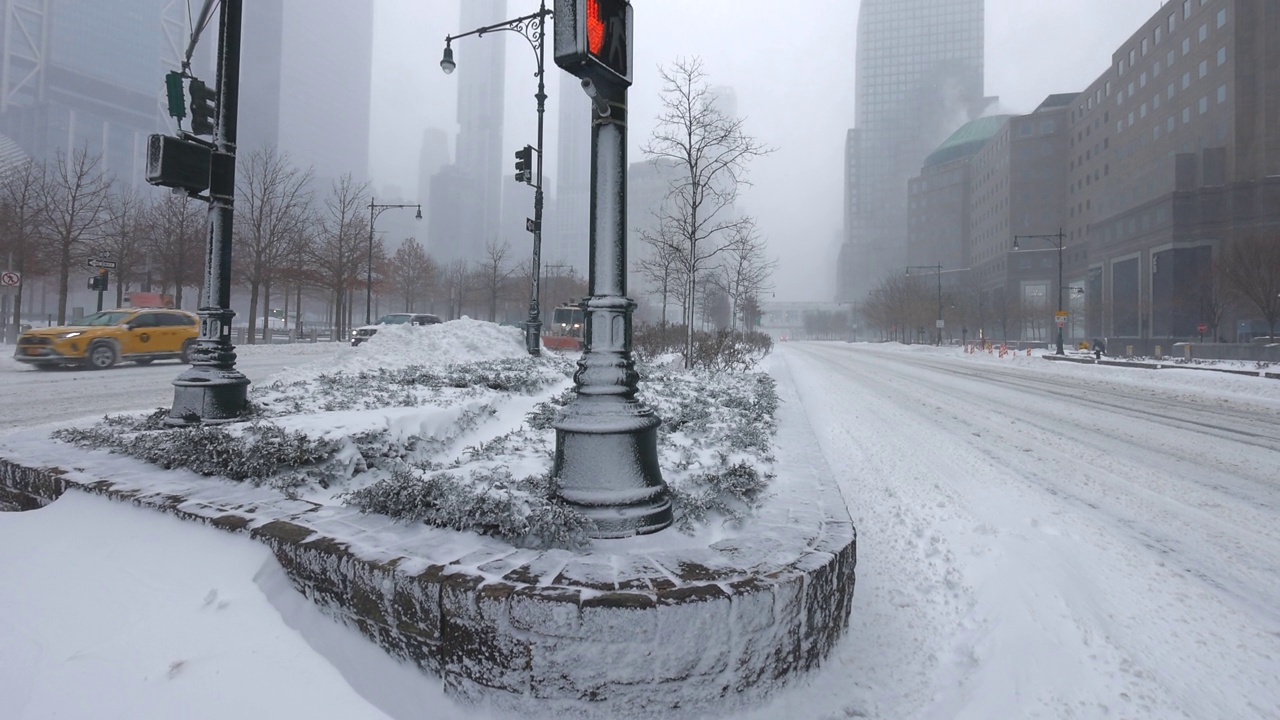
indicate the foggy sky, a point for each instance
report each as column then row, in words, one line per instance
column 792, row 72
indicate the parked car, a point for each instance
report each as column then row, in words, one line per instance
column 365, row 332
column 100, row 340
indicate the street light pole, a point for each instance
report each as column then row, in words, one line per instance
column 531, row 27
column 212, row 390
column 937, row 269
column 1058, row 241
column 376, row 209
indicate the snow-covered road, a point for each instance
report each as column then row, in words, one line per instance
column 1050, row 540
column 34, row 397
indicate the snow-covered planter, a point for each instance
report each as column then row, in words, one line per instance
column 466, row 445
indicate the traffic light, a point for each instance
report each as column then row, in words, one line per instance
column 524, row 165
column 203, row 108
column 173, row 89
column 178, row 163
column 593, row 39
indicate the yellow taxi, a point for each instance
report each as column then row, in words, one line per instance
column 100, row 340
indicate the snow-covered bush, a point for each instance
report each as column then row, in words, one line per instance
column 258, row 452
column 719, row 350
column 522, row 511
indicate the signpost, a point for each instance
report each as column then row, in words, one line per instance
column 10, row 279
column 1061, row 317
column 102, row 264
column 1202, row 328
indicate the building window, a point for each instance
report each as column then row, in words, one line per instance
column 1133, row 56
column 1168, row 59
column 1204, row 105
column 1142, row 80
column 1186, row 115
column 1122, row 66
column 1142, row 111
column 1186, row 80
column 1155, row 101
column 1204, row 68
column 1159, row 34
column 1170, row 92
column 1173, row 22
column 1222, row 17
column 1168, row 126
column 1145, row 45
column 1186, row 9
column 1204, row 32
column 1155, row 69
column 1222, row 56
column 1222, row 93
column 1186, row 45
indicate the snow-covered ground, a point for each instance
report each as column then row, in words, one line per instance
column 1035, row 540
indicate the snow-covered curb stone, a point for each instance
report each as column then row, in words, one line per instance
column 662, row 623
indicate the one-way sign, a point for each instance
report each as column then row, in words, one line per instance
column 106, row 264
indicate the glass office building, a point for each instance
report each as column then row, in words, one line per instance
column 919, row 77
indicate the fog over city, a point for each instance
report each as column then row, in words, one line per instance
column 792, row 72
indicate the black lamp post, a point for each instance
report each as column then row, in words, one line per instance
column 1058, row 241
column 212, row 390
column 375, row 210
column 937, row 270
column 531, row 27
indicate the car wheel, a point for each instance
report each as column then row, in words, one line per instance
column 187, row 347
column 144, row 361
column 101, row 356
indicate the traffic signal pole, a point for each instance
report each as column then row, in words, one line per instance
column 212, row 390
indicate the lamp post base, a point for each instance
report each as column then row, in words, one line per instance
column 206, row 395
column 533, row 336
column 212, row 390
column 613, row 478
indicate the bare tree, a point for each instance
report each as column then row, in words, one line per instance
column 273, row 202
column 124, row 238
column 663, row 269
column 75, row 209
column 1251, row 264
column 338, row 253
column 711, row 150
column 493, row 273
column 21, row 216
column 412, row 273
column 744, row 269
column 458, row 283
column 177, row 235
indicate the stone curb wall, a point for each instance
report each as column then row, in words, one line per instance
column 499, row 633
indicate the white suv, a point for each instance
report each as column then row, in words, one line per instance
column 361, row 334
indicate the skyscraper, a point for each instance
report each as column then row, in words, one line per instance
column 919, row 77
column 478, row 151
column 324, row 98
column 566, row 243
column 80, row 74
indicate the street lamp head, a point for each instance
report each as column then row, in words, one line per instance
column 1015, row 242
column 446, row 63
column 418, row 215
